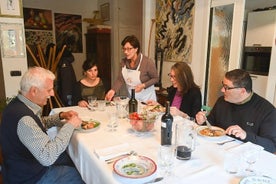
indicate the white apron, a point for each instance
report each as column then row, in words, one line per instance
column 132, row 79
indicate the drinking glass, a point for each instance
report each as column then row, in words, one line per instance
column 121, row 106
column 166, row 159
column 92, row 102
column 113, row 122
column 251, row 156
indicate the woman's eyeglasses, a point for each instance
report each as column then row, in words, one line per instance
column 171, row 76
column 127, row 49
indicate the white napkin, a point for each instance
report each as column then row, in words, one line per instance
column 245, row 146
column 112, row 151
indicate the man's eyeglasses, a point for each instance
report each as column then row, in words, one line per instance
column 171, row 76
column 226, row 88
column 127, row 49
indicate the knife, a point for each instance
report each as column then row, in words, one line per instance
column 154, row 180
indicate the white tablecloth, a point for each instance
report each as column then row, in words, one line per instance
column 206, row 164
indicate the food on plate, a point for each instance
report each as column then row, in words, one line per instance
column 133, row 169
column 89, row 124
column 142, row 122
column 212, row 132
column 154, row 108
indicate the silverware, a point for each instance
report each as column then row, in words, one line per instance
column 222, row 143
column 111, row 160
column 154, row 180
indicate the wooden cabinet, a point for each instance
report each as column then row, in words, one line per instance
column 98, row 47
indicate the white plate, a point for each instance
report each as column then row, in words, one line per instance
column 257, row 180
column 201, row 128
column 96, row 126
column 134, row 167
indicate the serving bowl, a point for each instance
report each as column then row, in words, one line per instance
column 143, row 122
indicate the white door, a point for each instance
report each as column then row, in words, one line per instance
column 224, row 44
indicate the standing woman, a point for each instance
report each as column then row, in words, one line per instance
column 137, row 71
column 184, row 94
column 89, row 85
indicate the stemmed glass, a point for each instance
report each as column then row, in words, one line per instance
column 251, row 156
column 92, row 102
column 166, row 159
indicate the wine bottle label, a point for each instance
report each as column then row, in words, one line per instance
column 163, row 124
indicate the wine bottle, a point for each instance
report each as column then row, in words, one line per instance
column 166, row 126
column 132, row 103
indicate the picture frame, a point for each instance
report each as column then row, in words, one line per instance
column 105, row 12
column 12, row 40
column 11, row 8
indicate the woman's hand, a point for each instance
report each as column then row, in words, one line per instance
column 176, row 112
column 83, row 103
column 139, row 87
column 109, row 95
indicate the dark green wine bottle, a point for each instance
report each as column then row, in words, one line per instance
column 166, row 126
column 132, row 103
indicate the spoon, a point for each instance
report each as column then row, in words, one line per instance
column 222, row 143
column 154, row 180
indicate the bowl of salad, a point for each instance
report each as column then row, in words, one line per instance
column 143, row 122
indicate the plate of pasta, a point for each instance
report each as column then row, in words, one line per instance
column 213, row 133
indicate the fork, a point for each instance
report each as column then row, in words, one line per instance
column 222, row 143
column 111, row 160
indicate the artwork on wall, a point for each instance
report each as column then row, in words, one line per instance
column 11, row 8
column 174, row 29
column 69, row 31
column 37, row 19
column 38, row 37
column 12, row 40
column 105, row 11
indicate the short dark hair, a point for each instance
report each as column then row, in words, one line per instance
column 87, row 64
column 133, row 41
column 240, row 78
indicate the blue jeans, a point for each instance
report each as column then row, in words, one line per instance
column 61, row 175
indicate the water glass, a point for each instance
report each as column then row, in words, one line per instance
column 101, row 105
column 92, row 102
column 121, row 106
column 232, row 162
column 113, row 122
column 166, row 159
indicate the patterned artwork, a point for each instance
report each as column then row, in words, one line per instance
column 174, row 26
column 69, row 31
column 42, row 38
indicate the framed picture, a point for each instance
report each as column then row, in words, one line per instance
column 12, row 40
column 11, row 8
column 105, row 15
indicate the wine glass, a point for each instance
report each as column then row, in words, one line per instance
column 251, row 156
column 166, row 159
column 92, row 102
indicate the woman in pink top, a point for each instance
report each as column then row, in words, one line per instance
column 184, row 94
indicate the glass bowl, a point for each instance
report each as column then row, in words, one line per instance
column 143, row 122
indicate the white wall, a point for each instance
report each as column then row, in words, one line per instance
column 84, row 8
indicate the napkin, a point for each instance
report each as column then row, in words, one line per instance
column 112, row 151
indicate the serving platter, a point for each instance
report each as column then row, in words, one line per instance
column 134, row 167
column 215, row 133
column 89, row 126
column 257, row 180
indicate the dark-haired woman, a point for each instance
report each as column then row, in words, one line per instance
column 89, row 85
column 137, row 71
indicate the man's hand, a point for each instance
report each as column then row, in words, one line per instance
column 67, row 115
column 237, row 131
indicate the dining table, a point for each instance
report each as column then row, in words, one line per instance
column 89, row 150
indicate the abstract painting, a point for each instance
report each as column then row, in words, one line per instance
column 174, row 29
column 69, row 31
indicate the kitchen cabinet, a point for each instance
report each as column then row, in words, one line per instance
column 259, row 83
column 260, row 28
column 98, row 48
